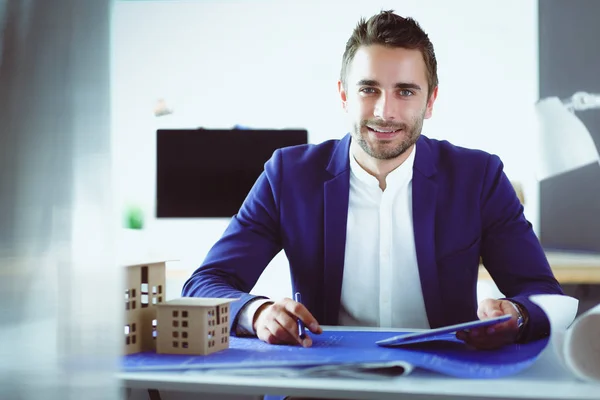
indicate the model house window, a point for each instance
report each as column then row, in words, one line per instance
column 144, row 287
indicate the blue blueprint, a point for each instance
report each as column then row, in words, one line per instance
column 444, row 354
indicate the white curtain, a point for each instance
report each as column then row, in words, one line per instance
column 60, row 288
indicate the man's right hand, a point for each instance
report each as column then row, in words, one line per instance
column 277, row 323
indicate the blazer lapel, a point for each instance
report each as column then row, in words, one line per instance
column 336, row 195
column 424, row 198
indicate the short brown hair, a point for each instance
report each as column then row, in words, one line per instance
column 389, row 29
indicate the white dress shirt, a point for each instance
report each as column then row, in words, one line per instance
column 381, row 285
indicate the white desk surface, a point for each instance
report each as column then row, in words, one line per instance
column 543, row 380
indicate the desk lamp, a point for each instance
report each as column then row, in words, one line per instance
column 565, row 142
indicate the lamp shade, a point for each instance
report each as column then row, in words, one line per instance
column 565, row 143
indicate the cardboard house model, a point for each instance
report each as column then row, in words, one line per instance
column 187, row 325
column 190, row 325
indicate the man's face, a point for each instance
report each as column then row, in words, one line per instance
column 386, row 99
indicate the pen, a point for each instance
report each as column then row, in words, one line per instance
column 301, row 329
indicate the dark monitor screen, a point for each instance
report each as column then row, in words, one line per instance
column 207, row 173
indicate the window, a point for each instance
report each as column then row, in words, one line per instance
column 184, row 335
column 175, row 334
column 133, row 327
column 184, row 345
column 175, row 324
column 175, row 313
column 175, row 344
column 184, row 324
column 144, row 286
column 159, row 289
column 132, row 339
column 184, row 314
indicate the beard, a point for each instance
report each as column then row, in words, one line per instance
column 387, row 150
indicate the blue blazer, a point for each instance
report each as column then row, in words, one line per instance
column 464, row 208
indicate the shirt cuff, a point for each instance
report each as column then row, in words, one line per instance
column 244, row 325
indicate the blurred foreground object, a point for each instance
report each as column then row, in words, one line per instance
column 59, row 313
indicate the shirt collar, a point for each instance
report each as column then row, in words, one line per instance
column 396, row 178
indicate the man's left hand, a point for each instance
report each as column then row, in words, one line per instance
column 495, row 336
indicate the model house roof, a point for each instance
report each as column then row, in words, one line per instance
column 138, row 263
column 196, row 301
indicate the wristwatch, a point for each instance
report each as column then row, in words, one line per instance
column 521, row 320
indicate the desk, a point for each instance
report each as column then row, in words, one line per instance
column 568, row 268
column 546, row 379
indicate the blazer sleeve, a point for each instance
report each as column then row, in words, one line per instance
column 235, row 262
column 511, row 251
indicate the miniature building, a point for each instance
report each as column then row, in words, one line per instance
column 191, row 325
column 144, row 290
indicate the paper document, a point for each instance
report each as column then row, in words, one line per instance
column 350, row 353
column 575, row 345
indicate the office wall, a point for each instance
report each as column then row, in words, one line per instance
column 569, row 63
column 275, row 64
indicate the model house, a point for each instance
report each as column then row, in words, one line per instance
column 191, row 325
column 144, row 291
column 187, row 325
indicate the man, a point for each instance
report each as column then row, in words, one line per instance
column 384, row 227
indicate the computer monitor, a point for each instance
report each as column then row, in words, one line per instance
column 207, row 173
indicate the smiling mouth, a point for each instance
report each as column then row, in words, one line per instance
column 383, row 131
